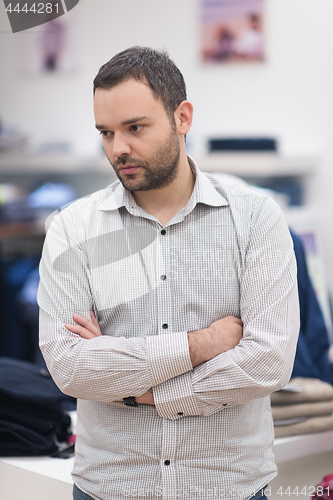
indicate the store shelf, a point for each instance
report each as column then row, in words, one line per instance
column 36, row 478
column 304, row 445
column 29, row 171
column 53, row 468
column 51, row 163
column 257, row 164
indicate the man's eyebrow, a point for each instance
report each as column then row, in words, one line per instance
column 131, row 121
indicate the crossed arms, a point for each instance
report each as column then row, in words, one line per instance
column 205, row 344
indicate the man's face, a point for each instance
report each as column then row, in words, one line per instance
column 141, row 143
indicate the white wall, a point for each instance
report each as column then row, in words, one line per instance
column 289, row 96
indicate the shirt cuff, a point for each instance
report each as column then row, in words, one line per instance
column 168, row 355
column 175, row 398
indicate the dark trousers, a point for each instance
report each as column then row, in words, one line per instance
column 79, row 495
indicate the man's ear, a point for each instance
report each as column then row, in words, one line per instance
column 183, row 117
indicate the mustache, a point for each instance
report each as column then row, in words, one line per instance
column 124, row 160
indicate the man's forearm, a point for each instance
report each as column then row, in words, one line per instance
column 205, row 344
column 219, row 337
column 196, row 342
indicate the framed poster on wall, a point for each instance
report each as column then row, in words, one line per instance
column 232, row 30
column 48, row 49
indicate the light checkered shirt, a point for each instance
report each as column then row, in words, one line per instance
column 210, row 435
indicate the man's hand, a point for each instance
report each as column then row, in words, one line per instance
column 90, row 329
column 219, row 337
column 147, row 398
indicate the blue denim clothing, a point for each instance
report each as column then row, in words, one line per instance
column 260, row 494
column 79, row 495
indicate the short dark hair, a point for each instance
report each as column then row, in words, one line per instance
column 149, row 66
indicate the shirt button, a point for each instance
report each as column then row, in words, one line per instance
column 165, row 326
column 163, row 232
column 167, row 462
column 180, row 413
column 163, row 277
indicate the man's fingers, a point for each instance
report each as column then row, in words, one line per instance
column 239, row 321
column 86, row 323
column 85, row 328
column 235, row 319
column 82, row 321
column 93, row 319
column 79, row 330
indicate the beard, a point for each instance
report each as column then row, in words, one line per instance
column 158, row 171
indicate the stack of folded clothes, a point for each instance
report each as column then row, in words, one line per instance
column 305, row 405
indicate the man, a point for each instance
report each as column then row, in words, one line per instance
column 184, row 296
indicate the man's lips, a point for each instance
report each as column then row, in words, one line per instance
column 128, row 169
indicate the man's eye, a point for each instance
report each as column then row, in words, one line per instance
column 135, row 128
column 105, row 133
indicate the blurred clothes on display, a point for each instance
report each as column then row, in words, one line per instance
column 311, row 359
column 51, row 195
column 19, row 269
column 12, row 198
column 19, row 337
column 33, row 412
column 37, row 205
column 304, row 406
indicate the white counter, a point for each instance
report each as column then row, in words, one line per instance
column 48, row 478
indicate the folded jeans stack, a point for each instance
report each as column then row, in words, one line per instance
column 305, row 405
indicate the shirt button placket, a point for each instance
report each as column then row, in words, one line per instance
column 163, row 295
column 168, row 452
column 168, row 437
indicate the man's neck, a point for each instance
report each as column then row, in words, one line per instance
column 166, row 202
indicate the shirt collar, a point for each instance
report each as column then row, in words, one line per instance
column 115, row 200
column 203, row 192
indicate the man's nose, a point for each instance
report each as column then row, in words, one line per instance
column 120, row 146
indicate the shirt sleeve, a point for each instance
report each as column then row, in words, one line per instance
column 269, row 308
column 105, row 368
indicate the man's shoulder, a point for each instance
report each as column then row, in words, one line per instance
column 92, row 201
column 83, row 208
column 248, row 205
column 234, row 189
